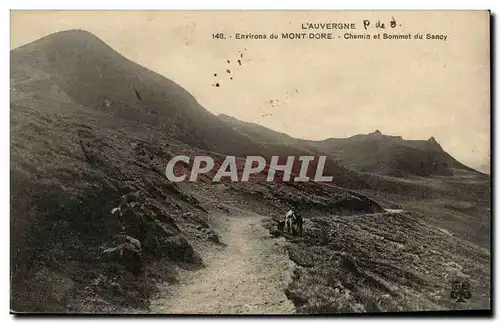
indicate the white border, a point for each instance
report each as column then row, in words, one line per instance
column 251, row 5
column 185, row 4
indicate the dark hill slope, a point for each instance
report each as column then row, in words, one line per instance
column 91, row 131
column 86, row 71
column 75, row 67
column 260, row 133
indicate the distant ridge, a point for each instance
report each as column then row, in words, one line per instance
column 374, row 152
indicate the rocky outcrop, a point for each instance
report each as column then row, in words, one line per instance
column 355, row 205
column 126, row 252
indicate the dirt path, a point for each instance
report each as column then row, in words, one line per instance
column 247, row 276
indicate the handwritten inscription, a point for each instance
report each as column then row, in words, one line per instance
column 380, row 24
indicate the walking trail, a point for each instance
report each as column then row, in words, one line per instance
column 248, row 276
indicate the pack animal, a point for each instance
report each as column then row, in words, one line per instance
column 293, row 223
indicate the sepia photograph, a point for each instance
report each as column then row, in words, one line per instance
column 250, row 162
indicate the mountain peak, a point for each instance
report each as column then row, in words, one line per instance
column 375, row 133
column 431, row 142
column 67, row 41
column 73, row 33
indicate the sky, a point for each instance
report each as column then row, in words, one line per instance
column 311, row 88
